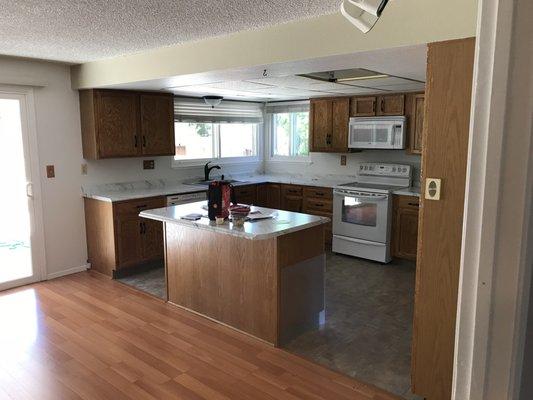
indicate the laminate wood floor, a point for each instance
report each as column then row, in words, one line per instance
column 84, row 336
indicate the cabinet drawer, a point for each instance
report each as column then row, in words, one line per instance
column 313, row 204
column 134, row 207
column 411, row 202
column 291, row 190
column 318, row 192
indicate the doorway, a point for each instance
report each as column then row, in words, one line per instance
column 21, row 235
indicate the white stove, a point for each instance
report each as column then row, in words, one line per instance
column 362, row 210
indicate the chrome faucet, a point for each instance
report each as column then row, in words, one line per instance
column 207, row 170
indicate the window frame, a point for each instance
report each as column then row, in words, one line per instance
column 195, row 162
column 270, row 138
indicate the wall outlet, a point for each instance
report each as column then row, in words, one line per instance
column 84, row 169
column 50, row 171
column 433, row 186
column 343, row 160
column 148, row 164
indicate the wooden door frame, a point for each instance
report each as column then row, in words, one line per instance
column 496, row 264
column 28, row 121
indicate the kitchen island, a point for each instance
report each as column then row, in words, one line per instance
column 265, row 278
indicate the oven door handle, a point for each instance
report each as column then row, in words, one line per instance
column 358, row 196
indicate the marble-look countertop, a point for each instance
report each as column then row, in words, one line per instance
column 283, row 222
column 412, row 191
column 115, row 192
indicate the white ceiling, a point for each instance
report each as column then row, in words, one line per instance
column 405, row 65
column 80, row 31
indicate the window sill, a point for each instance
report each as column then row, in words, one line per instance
column 296, row 160
column 178, row 164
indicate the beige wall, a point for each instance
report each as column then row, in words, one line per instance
column 401, row 24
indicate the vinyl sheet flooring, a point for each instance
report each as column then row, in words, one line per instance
column 368, row 325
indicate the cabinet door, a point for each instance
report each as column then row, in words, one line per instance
column 407, row 233
column 246, row 194
column 152, row 239
column 340, row 118
column 291, row 203
column 328, row 228
column 393, row 104
column 157, row 124
column 363, row 106
column 320, row 118
column 128, row 237
column 416, row 123
column 269, row 195
column 117, row 124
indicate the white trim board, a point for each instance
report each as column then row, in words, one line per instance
column 69, row 271
column 495, row 277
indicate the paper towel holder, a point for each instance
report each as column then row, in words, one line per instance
column 363, row 14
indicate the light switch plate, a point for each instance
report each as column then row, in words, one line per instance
column 84, row 169
column 343, row 160
column 148, row 164
column 432, row 191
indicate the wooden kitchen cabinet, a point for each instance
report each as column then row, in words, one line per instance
column 246, row 194
column 291, row 198
column 390, row 105
column 415, row 121
column 319, row 201
column 117, row 238
column 121, row 123
column 329, row 124
column 269, row 195
column 405, row 227
column 363, row 106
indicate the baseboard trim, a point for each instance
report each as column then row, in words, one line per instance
column 69, row 271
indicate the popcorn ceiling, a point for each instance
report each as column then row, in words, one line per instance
column 86, row 30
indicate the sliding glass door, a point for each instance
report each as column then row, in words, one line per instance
column 21, row 244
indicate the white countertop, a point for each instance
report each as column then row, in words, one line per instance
column 283, row 222
column 116, row 192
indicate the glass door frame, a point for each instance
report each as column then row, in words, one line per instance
column 26, row 100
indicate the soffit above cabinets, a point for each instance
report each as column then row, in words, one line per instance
column 293, row 87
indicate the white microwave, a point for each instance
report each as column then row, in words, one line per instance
column 377, row 133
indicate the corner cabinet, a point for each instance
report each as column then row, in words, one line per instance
column 120, row 123
column 329, row 125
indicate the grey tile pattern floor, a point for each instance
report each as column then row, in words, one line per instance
column 151, row 281
column 368, row 328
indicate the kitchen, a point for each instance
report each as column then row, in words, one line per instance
column 297, row 155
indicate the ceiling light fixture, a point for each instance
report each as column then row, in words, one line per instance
column 361, row 78
column 363, row 14
column 213, row 100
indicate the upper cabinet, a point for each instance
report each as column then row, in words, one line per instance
column 329, row 124
column 118, row 123
column 390, row 105
column 415, row 118
column 329, row 118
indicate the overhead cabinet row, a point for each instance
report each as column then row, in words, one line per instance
column 329, row 118
column 119, row 123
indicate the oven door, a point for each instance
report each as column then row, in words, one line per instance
column 361, row 215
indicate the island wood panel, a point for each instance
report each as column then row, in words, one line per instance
column 230, row 279
column 444, row 155
column 100, row 235
column 99, row 339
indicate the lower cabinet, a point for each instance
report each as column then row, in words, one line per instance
column 405, row 227
column 246, row 194
column 269, row 195
column 291, row 198
column 117, row 238
column 319, row 201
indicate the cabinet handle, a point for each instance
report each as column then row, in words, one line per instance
column 373, row 106
column 144, row 141
column 413, row 204
column 319, row 194
column 319, row 205
column 141, row 228
column 136, row 141
column 381, row 105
